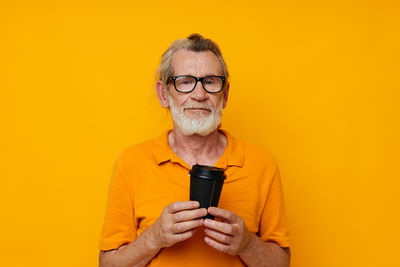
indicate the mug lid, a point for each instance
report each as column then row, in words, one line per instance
column 207, row 172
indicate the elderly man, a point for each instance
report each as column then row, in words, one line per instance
column 149, row 220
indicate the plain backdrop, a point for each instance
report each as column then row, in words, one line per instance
column 314, row 82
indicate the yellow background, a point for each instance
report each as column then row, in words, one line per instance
column 315, row 82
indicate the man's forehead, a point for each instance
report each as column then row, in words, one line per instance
column 190, row 61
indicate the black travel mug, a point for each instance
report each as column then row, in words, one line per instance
column 206, row 185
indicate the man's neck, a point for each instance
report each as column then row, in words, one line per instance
column 204, row 150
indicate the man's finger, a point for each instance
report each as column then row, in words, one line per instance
column 225, row 228
column 187, row 215
column 182, row 205
column 186, row 226
column 223, row 238
column 217, row 245
column 183, row 236
column 221, row 213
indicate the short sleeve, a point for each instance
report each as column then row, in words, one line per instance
column 273, row 224
column 119, row 225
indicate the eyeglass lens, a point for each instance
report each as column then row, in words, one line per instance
column 187, row 83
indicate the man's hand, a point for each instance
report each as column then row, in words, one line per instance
column 177, row 222
column 230, row 236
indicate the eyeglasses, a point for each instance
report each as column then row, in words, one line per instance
column 187, row 83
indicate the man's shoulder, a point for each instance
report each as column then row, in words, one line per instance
column 257, row 151
column 254, row 153
column 138, row 151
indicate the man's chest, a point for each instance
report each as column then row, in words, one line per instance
column 157, row 189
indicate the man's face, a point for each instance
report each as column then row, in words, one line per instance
column 197, row 112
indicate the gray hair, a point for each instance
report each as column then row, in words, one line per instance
column 194, row 42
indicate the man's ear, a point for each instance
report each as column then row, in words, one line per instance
column 225, row 96
column 162, row 94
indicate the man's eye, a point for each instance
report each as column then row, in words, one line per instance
column 210, row 81
column 185, row 81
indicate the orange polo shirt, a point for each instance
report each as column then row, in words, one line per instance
column 149, row 176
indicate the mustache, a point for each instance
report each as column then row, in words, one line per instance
column 199, row 106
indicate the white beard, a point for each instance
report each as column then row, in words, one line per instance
column 202, row 124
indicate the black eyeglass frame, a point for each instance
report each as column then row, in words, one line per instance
column 201, row 79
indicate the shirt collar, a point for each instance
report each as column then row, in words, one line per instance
column 232, row 156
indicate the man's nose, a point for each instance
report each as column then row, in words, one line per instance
column 199, row 93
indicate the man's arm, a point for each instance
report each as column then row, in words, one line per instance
column 231, row 236
column 137, row 253
column 261, row 253
column 177, row 222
